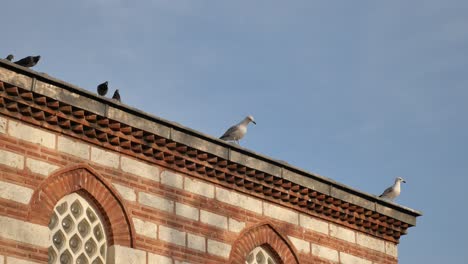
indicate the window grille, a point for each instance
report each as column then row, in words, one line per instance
column 260, row 255
column 77, row 233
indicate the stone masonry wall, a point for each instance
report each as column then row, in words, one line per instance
column 177, row 218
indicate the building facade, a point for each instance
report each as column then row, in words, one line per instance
column 84, row 179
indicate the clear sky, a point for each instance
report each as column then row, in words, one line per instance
column 357, row 91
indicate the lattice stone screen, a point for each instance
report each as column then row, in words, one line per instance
column 77, row 233
column 260, row 256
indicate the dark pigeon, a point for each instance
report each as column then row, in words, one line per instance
column 102, row 89
column 116, row 95
column 29, row 61
column 10, row 57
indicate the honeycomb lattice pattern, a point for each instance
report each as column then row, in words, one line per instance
column 259, row 256
column 77, row 233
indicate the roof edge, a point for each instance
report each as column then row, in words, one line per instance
column 224, row 149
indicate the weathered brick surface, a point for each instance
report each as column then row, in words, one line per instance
column 219, row 248
column 213, row 219
column 370, row 242
column 196, row 242
column 199, row 187
column 31, row 134
column 18, row 250
column 156, row 202
column 181, row 262
column 280, row 213
column 158, row 259
column 145, row 228
column 314, row 224
column 3, row 126
column 15, row 192
column 391, row 249
column 140, row 168
column 176, row 204
column 125, row 255
column 11, row 159
column 171, row 235
column 126, row 192
column 343, row 233
column 325, row 252
column 73, row 147
column 187, row 211
column 104, row 157
column 40, row 167
column 22, row 231
column 176, row 217
column 350, row 259
column 236, row 226
column 172, row 179
column 239, row 200
column 13, row 260
column 300, row 244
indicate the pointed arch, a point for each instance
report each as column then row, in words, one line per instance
column 263, row 234
column 81, row 178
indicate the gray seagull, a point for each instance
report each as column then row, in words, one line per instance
column 393, row 191
column 29, row 61
column 235, row 133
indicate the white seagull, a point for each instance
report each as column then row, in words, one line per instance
column 393, row 191
column 235, row 133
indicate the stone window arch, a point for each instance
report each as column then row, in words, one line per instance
column 77, row 232
column 83, row 181
column 262, row 240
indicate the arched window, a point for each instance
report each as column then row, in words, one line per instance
column 77, row 232
column 262, row 244
column 260, row 255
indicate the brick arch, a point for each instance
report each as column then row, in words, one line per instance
column 84, row 180
column 263, row 234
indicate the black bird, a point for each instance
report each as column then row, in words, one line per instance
column 102, row 88
column 10, row 57
column 116, row 95
column 29, row 61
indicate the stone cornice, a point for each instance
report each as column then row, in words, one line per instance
column 53, row 104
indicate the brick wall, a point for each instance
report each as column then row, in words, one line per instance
column 173, row 217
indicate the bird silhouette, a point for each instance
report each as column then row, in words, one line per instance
column 237, row 132
column 102, row 88
column 116, row 95
column 29, row 61
column 10, row 57
column 393, row 191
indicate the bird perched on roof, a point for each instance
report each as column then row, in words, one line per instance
column 116, row 95
column 102, row 89
column 393, row 191
column 237, row 132
column 29, row 61
column 10, row 57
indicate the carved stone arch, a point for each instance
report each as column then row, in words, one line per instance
column 88, row 183
column 263, row 234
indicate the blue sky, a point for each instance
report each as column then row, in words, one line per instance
column 358, row 91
